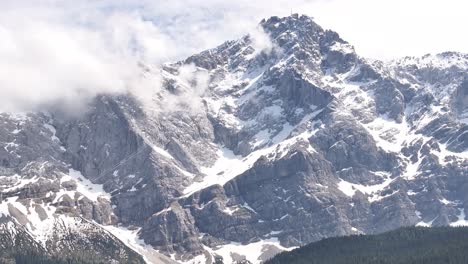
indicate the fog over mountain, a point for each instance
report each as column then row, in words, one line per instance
column 60, row 54
column 124, row 137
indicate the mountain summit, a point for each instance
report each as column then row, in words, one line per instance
column 290, row 144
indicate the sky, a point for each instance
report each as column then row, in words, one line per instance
column 59, row 52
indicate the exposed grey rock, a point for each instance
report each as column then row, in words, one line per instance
column 172, row 231
column 304, row 141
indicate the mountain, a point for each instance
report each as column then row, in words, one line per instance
column 248, row 151
column 68, row 241
column 407, row 245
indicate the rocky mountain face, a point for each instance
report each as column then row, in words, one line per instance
column 288, row 145
column 73, row 238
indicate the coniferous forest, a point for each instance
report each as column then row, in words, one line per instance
column 33, row 257
column 412, row 245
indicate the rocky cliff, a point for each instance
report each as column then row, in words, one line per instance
column 285, row 146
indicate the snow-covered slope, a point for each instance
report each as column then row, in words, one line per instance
column 275, row 148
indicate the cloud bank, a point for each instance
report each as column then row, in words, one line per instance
column 63, row 53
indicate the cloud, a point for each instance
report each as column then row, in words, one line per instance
column 62, row 53
column 261, row 41
column 44, row 62
column 191, row 86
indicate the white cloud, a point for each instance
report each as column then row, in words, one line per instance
column 261, row 41
column 65, row 52
column 188, row 97
column 47, row 62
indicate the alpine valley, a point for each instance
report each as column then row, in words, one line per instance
column 290, row 144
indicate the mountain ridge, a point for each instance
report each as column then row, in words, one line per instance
column 303, row 141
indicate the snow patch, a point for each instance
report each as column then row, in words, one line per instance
column 229, row 165
column 53, row 131
column 15, row 182
column 84, row 186
column 349, row 189
column 388, row 134
column 462, row 221
column 252, row 252
column 130, row 238
column 342, row 47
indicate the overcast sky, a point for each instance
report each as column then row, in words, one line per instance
column 55, row 51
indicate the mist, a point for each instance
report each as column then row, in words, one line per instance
column 64, row 53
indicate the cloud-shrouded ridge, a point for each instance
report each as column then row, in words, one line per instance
column 62, row 53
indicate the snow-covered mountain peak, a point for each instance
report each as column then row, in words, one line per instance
column 444, row 60
column 288, row 145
